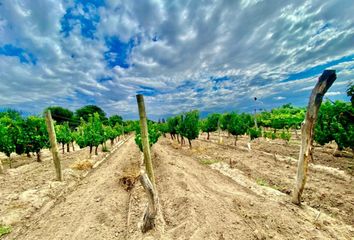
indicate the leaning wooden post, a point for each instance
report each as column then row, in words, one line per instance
column 53, row 144
column 145, row 139
column 325, row 81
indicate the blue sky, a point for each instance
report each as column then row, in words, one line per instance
column 214, row 56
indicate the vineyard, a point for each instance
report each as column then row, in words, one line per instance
column 230, row 175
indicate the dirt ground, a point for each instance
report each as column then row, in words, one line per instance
column 201, row 197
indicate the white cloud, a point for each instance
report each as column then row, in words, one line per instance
column 179, row 46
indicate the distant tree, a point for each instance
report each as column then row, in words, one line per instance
column 36, row 135
column 189, row 126
column 93, row 132
column 239, row 124
column 350, row 93
column 211, row 123
column 11, row 113
column 8, row 133
column 225, row 120
column 172, row 125
column 115, row 119
column 61, row 115
column 89, row 110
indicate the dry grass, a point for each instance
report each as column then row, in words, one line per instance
column 130, row 176
column 82, row 165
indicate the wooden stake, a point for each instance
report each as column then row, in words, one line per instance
column 325, row 81
column 1, row 167
column 145, row 139
column 148, row 221
column 53, row 144
column 219, row 132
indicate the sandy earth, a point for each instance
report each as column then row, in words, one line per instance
column 198, row 200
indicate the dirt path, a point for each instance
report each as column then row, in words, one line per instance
column 95, row 210
column 201, row 203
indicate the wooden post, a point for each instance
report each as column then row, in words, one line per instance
column 148, row 221
column 325, row 81
column 53, row 144
column 145, row 139
column 1, row 167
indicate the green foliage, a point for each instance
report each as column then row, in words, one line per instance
column 153, row 133
column 93, row 131
column 285, row 135
column 270, row 135
column 254, row 133
column 163, row 127
column 239, row 123
column 35, row 134
column 211, row 123
column 109, row 132
column 172, row 124
column 335, row 122
column 225, row 120
column 8, row 133
column 188, row 125
column 87, row 111
column 5, row 230
column 286, row 116
column 11, row 113
column 114, row 120
column 63, row 133
column 350, row 93
column 61, row 115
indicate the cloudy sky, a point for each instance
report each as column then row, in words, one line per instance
column 182, row 55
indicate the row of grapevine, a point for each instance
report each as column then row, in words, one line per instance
column 29, row 135
column 335, row 123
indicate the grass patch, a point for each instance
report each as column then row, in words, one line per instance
column 264, row 183
column 208, row 161
column 5, row 230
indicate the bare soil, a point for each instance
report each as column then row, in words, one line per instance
column 201, row 197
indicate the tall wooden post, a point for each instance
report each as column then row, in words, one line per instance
column 53, row 144
column 325, row 81
column 145, row 139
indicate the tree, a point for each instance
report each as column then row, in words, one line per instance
column 93, row 132
column 211, row 123
column 188, row 126
column 172, row 125
column 89, row 110
column 239, row 124
column 114, row 120
column 225, row 120
column 64, row 135
column 36, row 135
column 350, row 93
column 61, row 115
column 11, row 113
column 8, row 137
column 110, row 133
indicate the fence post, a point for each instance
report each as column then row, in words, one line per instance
column 53, row 144
column 325, row 81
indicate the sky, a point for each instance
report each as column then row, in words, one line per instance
column 211, row 55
